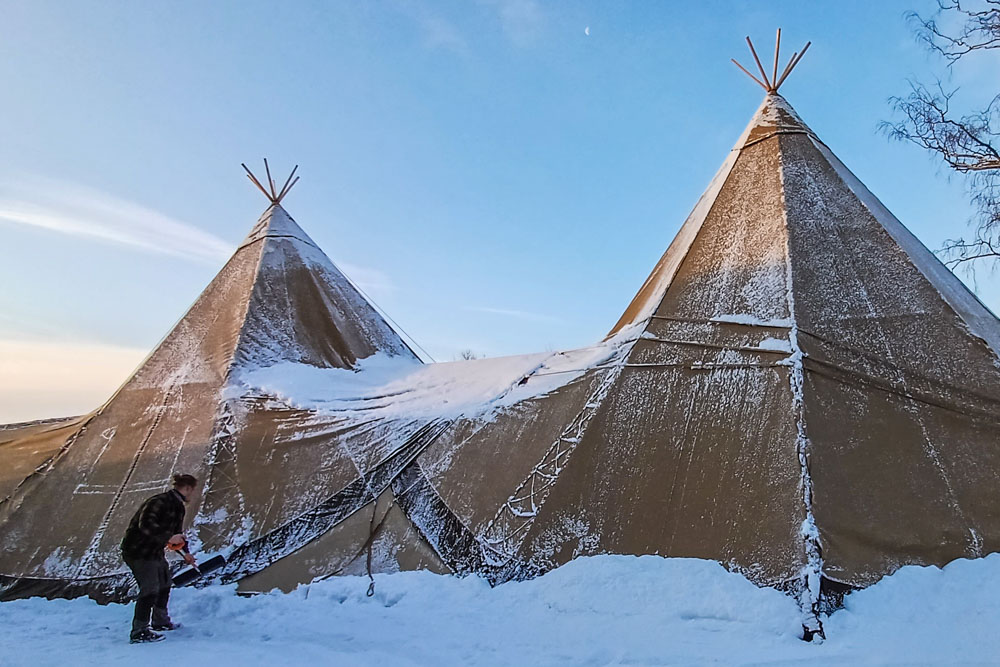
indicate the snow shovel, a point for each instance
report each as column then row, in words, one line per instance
column 193, row 573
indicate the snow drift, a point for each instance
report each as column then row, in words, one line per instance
column 592, row 611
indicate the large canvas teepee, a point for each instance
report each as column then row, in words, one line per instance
column 799, row 390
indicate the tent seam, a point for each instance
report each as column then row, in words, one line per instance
column 812, row 570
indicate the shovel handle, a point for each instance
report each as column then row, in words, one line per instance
column 192, row 562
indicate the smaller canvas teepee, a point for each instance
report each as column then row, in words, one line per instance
column 278, row 299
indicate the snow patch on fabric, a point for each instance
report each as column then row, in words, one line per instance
column 389, row 387
column 753, row 321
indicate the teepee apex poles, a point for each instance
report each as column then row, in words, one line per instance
column 274, row 196
column 772, row 84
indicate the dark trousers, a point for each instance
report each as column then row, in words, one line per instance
column 153, row 577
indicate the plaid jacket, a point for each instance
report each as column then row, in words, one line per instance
column 158, row 519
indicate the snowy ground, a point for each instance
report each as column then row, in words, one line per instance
column 607, row 610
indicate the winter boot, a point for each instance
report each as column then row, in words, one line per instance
column 145, row 636
column 166, row 627
column 161, row 620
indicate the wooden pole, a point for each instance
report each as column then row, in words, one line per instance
column 288, row 189
column 259, row 186
column 787, row 69
column 270, row 181
column 763, row 74
column 253, row 179
column 285, row 188
column 777, row 49
column 793, row 62
column 745, row 71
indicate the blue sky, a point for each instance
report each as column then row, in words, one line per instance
column 496, row 178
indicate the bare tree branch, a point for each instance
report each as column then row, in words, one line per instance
column 968, row 145
column 979, row 31
column 962, row 251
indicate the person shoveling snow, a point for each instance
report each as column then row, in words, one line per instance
column 156, row 526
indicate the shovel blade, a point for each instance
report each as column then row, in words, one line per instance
column 191, row 574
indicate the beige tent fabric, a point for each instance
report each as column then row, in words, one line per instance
column 27, row 449
column 343, row 550
column 799, row 390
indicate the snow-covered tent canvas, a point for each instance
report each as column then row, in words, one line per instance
column 800, row 390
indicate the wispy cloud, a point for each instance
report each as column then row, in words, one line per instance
column 519, row 314
column 437, row 31
column 523, row 21
column 76, row 210
column 441, row 33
